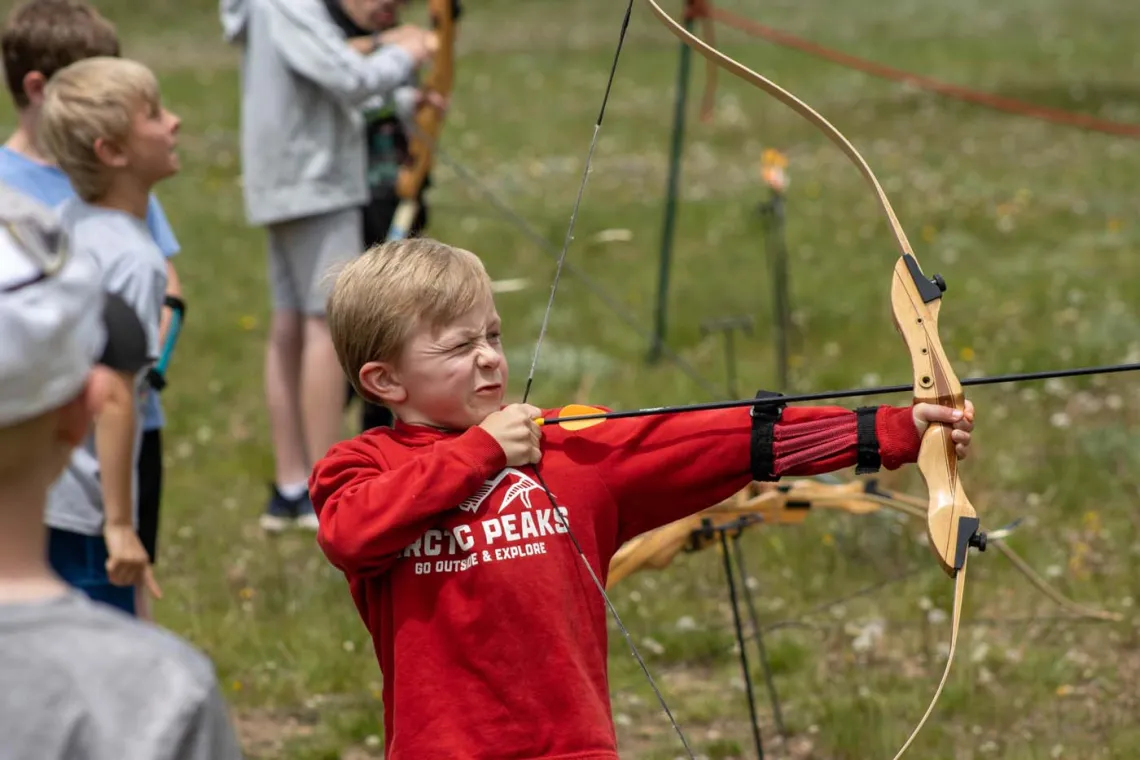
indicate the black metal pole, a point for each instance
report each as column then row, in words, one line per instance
column 729, row 576
column 769, row 681
column 676, row 145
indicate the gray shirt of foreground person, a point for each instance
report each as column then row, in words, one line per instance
column 82, row 681
column 302, row 94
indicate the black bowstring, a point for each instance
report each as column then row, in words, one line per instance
column 530, row 379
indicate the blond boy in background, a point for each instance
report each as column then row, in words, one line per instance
column 104, row 125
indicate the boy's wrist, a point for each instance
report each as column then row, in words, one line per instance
column 899, row 440
column 482, row 451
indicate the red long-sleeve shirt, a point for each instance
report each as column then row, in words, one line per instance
column 490, row 634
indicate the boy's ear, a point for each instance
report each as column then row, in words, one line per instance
column 33, row 85
column 380, row 379
column 110, row 153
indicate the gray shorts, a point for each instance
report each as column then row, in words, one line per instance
column 305, row 254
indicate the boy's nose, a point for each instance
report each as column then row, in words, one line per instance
column 488, row 357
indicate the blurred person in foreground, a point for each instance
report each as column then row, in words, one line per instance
column 80, row 679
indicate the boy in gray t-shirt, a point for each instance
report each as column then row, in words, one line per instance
column 78, row 680
column 113, row 162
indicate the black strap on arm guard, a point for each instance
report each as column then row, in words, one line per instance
column 867, row 457
column 764, row 419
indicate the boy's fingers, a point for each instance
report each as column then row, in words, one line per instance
column 938, row 413
column 151, row 584
column 120, row 575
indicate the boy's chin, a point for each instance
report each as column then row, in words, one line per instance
column 465, row 418
column 485, row 407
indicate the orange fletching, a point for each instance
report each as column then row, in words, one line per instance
column 574, row 410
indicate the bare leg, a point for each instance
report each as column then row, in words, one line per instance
column 323, row 390
column 282, row 394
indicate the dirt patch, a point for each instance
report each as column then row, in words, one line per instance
column 265, row 733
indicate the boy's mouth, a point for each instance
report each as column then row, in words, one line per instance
column 494, row 388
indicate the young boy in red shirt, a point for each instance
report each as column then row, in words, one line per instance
column 490, row 634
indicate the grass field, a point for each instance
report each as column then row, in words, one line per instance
column 1032, row 225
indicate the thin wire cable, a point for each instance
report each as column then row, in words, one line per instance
column 613, row 611
column 530, row 379
column 621, row 311
column 577, row 202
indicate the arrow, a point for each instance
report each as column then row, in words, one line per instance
column 580, row 417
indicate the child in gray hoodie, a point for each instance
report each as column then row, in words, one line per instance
column 303, row 176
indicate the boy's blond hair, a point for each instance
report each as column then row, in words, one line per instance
column 379, row 298
column 88, row 100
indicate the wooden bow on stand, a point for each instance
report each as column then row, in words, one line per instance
column 790, row 504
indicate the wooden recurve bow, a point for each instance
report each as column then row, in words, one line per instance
column 952, row 522
column 428, row 120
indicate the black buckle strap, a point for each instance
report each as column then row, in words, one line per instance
column 764, row 419
column 867, row 459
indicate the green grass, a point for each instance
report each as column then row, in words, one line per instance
column 1031, row 224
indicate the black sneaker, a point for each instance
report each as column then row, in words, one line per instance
column 281, row 513
column 306, row 518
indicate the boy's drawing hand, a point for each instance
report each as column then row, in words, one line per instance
column 963, row 423
column 514, row 428
column 127, row 560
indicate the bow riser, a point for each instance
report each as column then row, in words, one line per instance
column 429, row 119
column 951, row 520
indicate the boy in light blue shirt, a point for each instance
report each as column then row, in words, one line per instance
column 40, row 38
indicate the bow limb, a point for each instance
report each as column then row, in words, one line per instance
column 803, row 109
column 1031, row 575
column 657, row 548
column 428, row 120
column 952, row 523
column 653, row 550
column 1045, row 588
column 701, row 9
